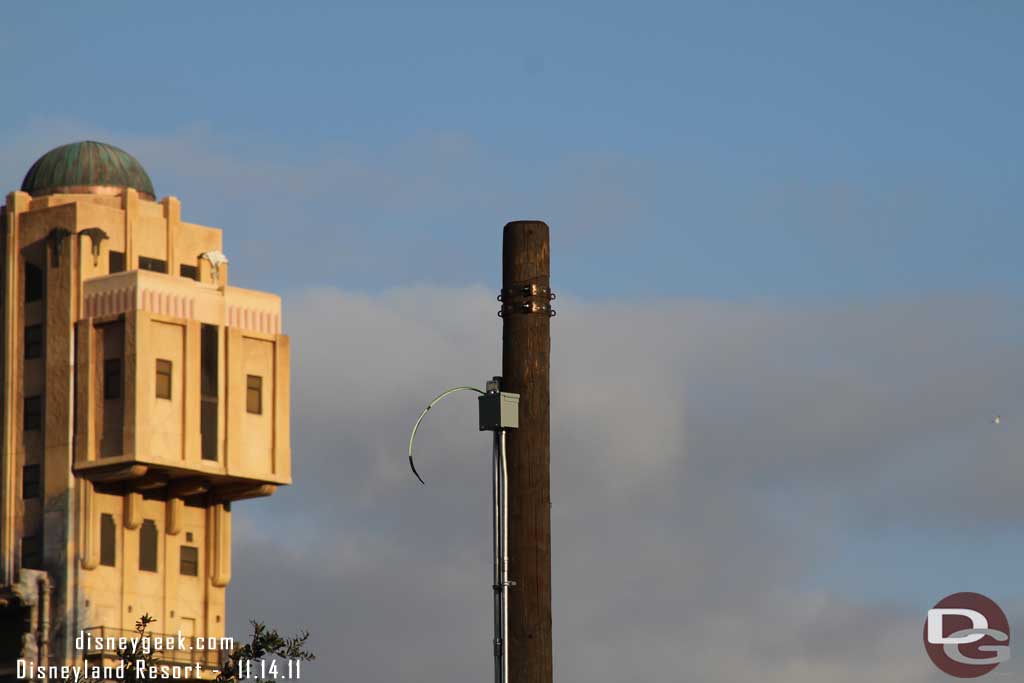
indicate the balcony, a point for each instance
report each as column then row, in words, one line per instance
column 183, row 385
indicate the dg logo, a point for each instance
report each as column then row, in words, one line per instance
column 967, row 635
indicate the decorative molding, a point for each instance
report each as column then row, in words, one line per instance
column 90, row 526
column 218, row 524
column 167, row 303
column 175, row 305
column 254, row 319
column 174, row 514
column 132, row 510
column 110, row 302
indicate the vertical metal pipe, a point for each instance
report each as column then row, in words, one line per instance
column 499, row 640
column 44, row 588
column 501, row 582
column 503, row 490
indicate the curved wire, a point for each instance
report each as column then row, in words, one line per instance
column 424, row 414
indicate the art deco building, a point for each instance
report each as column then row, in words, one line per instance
column 142, row 395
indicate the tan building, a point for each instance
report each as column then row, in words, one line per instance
column 142, row 395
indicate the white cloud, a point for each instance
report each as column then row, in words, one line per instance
column 708, row 459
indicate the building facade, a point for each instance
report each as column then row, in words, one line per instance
column 142, row 395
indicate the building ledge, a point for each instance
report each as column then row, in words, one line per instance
column 178, row 297
column 179, row 482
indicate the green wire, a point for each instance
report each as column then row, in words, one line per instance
column 424, row 414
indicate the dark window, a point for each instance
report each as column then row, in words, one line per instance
column 190, row 272
column 32, row 552
column 112, row 378
column 33, row 341
column 33, row 417
column 188, row 536
column 147, row 546
column 208, row 427
column 116, row 261
column 208, row 361
column 33, row 282
column 153, row 264
column 254, row 394
column 208, row 369
column 163, row 378
column 30, row 481
column 189, row 560
column 108, row 541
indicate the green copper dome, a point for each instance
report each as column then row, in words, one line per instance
column 87, row 167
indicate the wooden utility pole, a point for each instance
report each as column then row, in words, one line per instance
column 526, row 368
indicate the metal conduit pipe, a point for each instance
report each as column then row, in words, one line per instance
column 499, row 412
column 43, row 605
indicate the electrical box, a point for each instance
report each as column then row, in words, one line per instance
column 499, row 410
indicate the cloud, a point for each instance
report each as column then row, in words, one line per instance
column 363, row 217
column 710, row 464
column 713, row 463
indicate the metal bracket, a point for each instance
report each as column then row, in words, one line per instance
column 527, row 299
column 56, row 239
column 97, row 235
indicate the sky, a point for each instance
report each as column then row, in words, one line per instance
column 785, row 239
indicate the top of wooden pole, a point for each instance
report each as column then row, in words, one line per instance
column 526, row 253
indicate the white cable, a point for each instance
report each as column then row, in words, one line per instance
column 424, row 414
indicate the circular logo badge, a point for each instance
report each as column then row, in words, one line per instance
column 967, row 635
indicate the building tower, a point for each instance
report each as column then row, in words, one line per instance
column 141, row 396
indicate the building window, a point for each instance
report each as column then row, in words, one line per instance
column 254, row 394
column 208, row 429
column 116, row 262
column 33, row 283
column 108, row 541
column 147, row 546
column 30, row 481
column 208, row 370
column 191, row 272
column 33, row 341
column 189, row 560
column 154, row 264
column 112, row 378
column 33, row 414
column 32, row 552
column 163, row 378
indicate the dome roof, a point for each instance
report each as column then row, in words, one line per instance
column 87, row 167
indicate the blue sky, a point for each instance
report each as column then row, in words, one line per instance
column 726, row 149
column 786, row 239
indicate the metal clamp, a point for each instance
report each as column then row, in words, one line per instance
column 526, row 300
column 527, row 291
